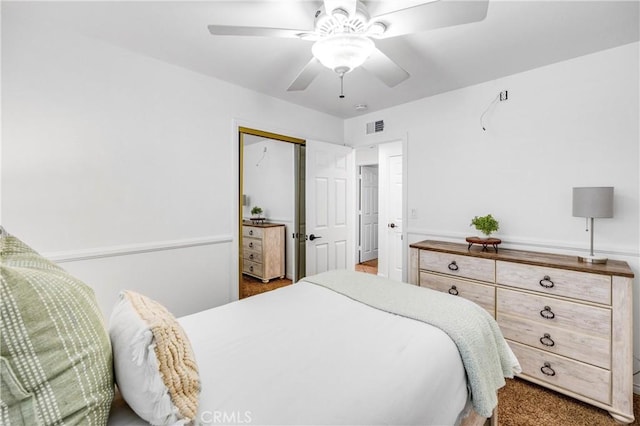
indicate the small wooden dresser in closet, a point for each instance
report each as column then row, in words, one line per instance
column 568, row 322
column 263, row 250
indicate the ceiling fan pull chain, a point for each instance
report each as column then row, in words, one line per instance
column 341, row 86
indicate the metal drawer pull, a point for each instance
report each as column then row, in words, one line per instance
column 251, row 245
column 453, row 290
column 251, row 256
column 453, row 266
column 547, row 370
column 547, row 313
column 546, row 282
column 250, row 231
column 547, row 340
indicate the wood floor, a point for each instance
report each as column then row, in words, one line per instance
column 251, row 286
column 370, row 267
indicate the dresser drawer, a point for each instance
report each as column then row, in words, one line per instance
column 251, row 244
column 252, row 255
column 483, row 295
column 560, row 282
column 253, row 268
column 458, row 265
column 252, row 231
column 587, row 380
column 549, row 311
column 579, row 346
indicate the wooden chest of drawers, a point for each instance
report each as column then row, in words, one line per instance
column 263, row 251
column 569, row 323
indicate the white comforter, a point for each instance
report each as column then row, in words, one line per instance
column 306, row 355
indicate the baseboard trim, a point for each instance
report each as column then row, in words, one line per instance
column 129, row 249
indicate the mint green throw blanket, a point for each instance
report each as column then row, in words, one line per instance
column 485, row 354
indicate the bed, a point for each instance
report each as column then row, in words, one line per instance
column 338, row 348
column 310, row 354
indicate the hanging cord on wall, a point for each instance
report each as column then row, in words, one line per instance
column 487, row 110
column 264, row 153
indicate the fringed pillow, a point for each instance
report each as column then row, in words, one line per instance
column 155, row 368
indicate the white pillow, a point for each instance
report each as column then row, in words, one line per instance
column 155, row 368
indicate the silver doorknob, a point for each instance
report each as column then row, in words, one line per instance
column 392, row 225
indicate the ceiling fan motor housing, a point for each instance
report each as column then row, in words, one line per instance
column 339, row 21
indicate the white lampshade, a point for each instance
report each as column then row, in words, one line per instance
column 343, row 52
column 593, row 201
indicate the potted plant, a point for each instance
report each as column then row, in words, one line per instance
column 256, row 211
column 485, row 224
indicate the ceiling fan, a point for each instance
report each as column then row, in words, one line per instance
column 344, row 30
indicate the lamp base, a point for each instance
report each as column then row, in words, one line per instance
column 592, row 259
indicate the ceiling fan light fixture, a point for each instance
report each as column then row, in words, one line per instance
column 343, row 52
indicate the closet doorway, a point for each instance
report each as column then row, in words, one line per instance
column 381, row 249
column 271, row 178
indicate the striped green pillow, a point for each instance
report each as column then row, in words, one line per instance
column 56, row 361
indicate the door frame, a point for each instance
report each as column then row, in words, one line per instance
column 299, row 213
column 405, row 156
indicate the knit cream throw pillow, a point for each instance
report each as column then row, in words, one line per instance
column 155, row 367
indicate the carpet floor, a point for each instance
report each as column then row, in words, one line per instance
column 525, row 404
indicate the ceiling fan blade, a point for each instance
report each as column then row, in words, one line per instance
column 385, row 69
column 232, row 30
column 432, row 15
column 306, row 76
column 348, row 5
column 377, row 8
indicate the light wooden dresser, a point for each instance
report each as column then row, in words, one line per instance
column 568, row 322
column 263, row 251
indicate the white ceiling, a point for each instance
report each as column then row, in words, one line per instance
column 515, row 36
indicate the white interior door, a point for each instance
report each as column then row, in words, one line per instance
column 368, row 213
column 329, row 212
column 390, row 253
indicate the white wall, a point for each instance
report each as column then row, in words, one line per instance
column 269, row 181
column 570, row 124
column 128, row 162
column 366, row 155
column 574, row 123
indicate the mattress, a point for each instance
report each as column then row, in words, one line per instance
column 306, row 355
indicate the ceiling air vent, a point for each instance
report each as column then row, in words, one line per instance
column 375, row 127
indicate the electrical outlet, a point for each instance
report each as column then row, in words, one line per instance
column 504, row 95
column 414, row 213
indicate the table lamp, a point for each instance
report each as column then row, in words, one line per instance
column 591, row 202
